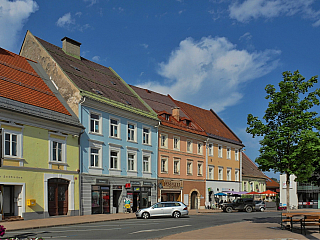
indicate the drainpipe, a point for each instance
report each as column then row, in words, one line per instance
column 240, row 170
column 206, row 189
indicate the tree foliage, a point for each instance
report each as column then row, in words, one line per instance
column 290, row 131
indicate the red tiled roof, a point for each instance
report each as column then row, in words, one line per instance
column 249, row 169
column 20, row 82
column 209, row 121
column 271, row 183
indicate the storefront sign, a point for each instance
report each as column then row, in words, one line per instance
column 10, row 176
column 135, row 183
column 128, row 185
column 102, row 181
column 147, row 184
column 171, row 184
column 136, row 189
column 117, row 187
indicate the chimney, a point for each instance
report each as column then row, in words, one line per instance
column 176, row 113
column 71, row 47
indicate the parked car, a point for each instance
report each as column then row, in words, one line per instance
column 174, row 209
column 240, row 204
column 260, row 205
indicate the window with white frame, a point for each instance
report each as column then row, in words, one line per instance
column 236, row 154
column 95, row 123
column 200, row 147
column 210, row 172
column 114, row 159
column 114, row 128
column 163, row 140
column 189, row 167
column 94, row 157
column 220, row 173
column 56, row 151
column 228, row 153
column 146, row 135
column 228, row 174
column 132, row 161
column 200, row 168
column 245, row 186
column 164, row 164
column 131, row 132
column 146, row 163
column 176, row 143
column 57, row 148
column 189, row 146
column 220, row 151
column 236, row 175
column 12, row 144
column 176, row 166
column 210, row 149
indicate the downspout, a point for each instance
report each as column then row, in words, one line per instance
column 82, row 100
column 206, row 189
column 240, row 170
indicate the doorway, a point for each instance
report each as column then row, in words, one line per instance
column 58, row 196
column 194, row 200
column 8, row 201
column 116, row 197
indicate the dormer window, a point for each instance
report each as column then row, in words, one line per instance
column 188, row 122
column 167, row 117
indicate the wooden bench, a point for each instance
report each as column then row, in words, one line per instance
column 291, row 218
column 310, row 220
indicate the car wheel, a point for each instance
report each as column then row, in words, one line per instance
column 145, row 215
column 176, row 214
column 249, row 209
column 262, row 209
column 229, row 209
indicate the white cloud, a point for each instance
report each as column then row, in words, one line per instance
column 13, row 15
column 253, row 9
column 209, row 73
column 144, row 45
column 96, row 58
column 66, row 20
column 92, row 2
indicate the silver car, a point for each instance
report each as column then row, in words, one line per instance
column 174, row 209
column 260, row 205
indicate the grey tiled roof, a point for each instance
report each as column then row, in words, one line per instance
column 249, row 169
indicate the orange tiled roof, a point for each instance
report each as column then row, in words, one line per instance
column 271, row 183
column 20, row 82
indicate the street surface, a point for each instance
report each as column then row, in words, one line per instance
column 144, row 228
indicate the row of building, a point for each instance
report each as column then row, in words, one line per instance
column 76, row 139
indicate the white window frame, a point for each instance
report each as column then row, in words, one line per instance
column 99, row 123
column 200, row 169
column 229, row 171
column 95, row 145
column 19, row 143
column 236, row 154
column 176, row 168
column 220, row 173
column 146, row 136
column 132, row 130
column 114, row 149
column 134, row 160
column 210, row 149
column 176, row 143
column 210, row 169
column 189, row 150
column 220, row 149
column 236, row 175
column 144, row 155
column 112, row 126
column 163, row 144
column 164, row 164
column 190, row 173
column 200, row 149
column 228, row 153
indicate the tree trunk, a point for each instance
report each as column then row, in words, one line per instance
column 288, row 191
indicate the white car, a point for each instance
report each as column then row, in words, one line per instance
column 174, row 209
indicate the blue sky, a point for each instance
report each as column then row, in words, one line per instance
column 217, row 54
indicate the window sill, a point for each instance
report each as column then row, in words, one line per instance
column 97, row 168
column 164, row 172
column 132, row 171
column 146, row 172
column 147, row 144
column 115, row 169
column 117, row 138
column 132, row 141
column 176, row 173
column 94, row 133
column 58, row 163
column 13, row 158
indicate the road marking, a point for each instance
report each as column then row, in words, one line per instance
column 156, row 230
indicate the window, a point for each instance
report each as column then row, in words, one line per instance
column 57, row 148
column 95, row 120
column 228, row 153
column 164, row 165
column 131, row 132
column 220, row 151
column 228, row 174
column 114, row 128
column 146, row 136
column 210, row 149
column 199, row 148
column 200, row 164
column 131, row 162
column 245, row 186
column 176, row 143
column 189, row 146
column 220, row 173
column 236, row 154
column 94, row 157
column 114, row 159
column 236, row 175
column 164, row 140
column 146, row 163
column 56, row 151
column 189, row 167
column 210, row 172
column 176, row 166
column 10, row 144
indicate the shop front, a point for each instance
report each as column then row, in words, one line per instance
column 308, row 195
column 170, row 190
column 139, row 194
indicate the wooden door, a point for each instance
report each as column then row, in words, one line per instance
column 58, row 197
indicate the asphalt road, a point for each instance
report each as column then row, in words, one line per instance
column 143, row 228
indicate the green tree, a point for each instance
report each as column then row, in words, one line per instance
column 290, row 130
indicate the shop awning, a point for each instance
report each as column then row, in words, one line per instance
column 220, row 194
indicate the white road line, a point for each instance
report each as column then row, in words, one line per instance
column 156, row 230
